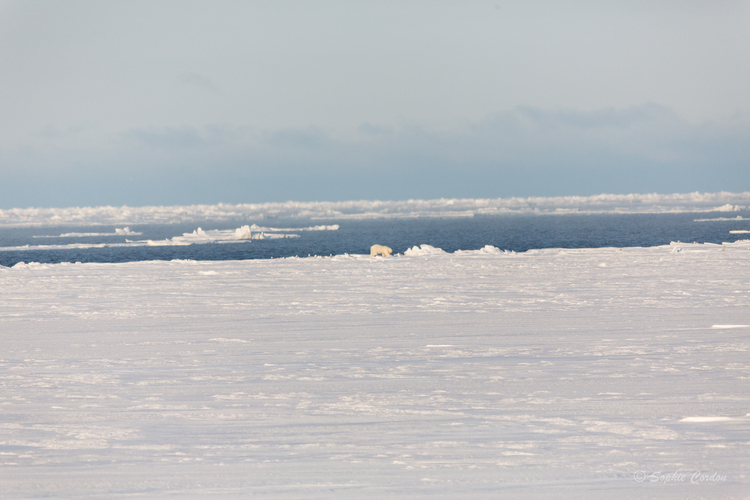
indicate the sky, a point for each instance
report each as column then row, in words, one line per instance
column 183, row 102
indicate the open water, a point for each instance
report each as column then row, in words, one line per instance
column 508, row 232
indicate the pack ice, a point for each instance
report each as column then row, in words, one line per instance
column 595, row 373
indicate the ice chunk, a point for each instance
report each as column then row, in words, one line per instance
column 423, row 250
column 30, row 265
column 243, row 233
column 486, row 250
column 728, row 208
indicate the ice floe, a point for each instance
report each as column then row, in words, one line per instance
column 125, row 231
column 475, row 374
column 721, row 219
column 196, row 237
column 706, row 419
column 363, row 209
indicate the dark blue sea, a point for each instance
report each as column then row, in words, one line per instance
column 508, row 232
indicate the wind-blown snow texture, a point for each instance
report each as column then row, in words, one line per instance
column 484, row 374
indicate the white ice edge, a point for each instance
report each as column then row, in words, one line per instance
column 706, row 419
column 239, row 231
column 362, row 209
column 721, row 219
column 428, row 251
column 198, row 236
column 125, row 231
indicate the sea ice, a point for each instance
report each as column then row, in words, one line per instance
column 125, row 231
column 196, row 237
column 365, row 209
column 463, row 375
column 421, row 250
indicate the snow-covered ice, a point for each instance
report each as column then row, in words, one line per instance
column 368, row 209
column 197, row 237
column 588, row 373
column 200, row 236
column 120, row 231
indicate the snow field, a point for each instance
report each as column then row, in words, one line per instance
column 545, row 374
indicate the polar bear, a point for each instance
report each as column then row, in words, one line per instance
column 376, row 250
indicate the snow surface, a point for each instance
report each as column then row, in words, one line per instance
column 363, row 209
column 478, row 374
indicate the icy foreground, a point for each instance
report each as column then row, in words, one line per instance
column 548, row 374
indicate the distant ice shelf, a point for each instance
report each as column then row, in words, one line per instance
column 364, row 209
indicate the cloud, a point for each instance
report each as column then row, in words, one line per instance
column 176, row 139
column 525, row 151
column 311, row 138
column 198, row 81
